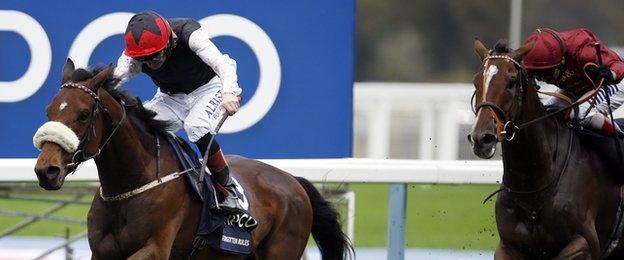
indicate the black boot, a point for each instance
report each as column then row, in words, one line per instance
column 231, row 203
column 218, row 167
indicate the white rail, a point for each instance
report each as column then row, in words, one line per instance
column 325, row 170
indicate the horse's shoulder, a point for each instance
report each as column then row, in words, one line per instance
column 235, row 158
column 261, row 177
column 241, row 163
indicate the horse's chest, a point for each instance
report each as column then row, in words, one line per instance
column 120, row 241
column 529, row 232
column 116, row 236
column 538, row 231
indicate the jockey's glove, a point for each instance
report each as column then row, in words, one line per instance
column 602, row 72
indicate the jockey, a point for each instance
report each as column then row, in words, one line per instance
column 562, row 58
column 195, row 82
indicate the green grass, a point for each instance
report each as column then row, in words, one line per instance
column 44, row 227
column 438, row 216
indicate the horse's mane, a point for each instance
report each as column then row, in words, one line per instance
column 501, row 47
column 140, row 116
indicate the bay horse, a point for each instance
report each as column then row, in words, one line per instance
column 558, row 198
column 161, row 223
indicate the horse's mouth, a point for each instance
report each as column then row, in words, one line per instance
column 484, row 152
column 51, row 177
column 51, row 185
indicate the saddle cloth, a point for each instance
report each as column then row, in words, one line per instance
column 227, row 233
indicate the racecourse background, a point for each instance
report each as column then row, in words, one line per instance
column 434, row 211
column 413, row 41
column 435, row 219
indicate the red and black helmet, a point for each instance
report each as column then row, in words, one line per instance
column 147, row 33
column 548, row 51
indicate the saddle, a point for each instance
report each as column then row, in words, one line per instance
column 226, row 233
column 604, row 145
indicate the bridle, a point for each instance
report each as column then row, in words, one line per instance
column 91, row 131
column 505, row 125
column 506, row 128
column 509, row 130
column 79, row 153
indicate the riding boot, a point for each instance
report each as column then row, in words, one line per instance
column 603, row 125
column 221, row 173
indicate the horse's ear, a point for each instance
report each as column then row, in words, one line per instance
column 99, row 78
column 522, row 51
column 480, row 49
column 68, row 70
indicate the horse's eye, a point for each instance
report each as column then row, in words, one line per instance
column 84, row 116
column 511, row 83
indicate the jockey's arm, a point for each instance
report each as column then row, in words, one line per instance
column 222, row 64
column 126, row 68
column 587, row 54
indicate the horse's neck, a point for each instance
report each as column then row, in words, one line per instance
column 529, row 158
column 124, row 163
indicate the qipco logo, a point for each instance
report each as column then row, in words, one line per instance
column 115, row 23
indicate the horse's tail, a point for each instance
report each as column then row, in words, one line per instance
column 326, row 229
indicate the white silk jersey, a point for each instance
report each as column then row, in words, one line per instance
column 192, row 63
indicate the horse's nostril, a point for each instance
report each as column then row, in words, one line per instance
column 52, row 171
column 488, row 139
column 469, row 136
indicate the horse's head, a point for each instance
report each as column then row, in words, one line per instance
column 74, row 131
column 500, row 85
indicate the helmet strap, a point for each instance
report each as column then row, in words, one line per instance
column 559, row 71
column 559, row 68
column 170, row 45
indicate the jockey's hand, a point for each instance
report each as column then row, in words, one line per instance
column 231, row 103
column 603, row 72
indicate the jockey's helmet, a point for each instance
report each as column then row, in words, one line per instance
column 147, row 33
column 548, row 51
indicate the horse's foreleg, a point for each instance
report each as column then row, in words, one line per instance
column 159, row 246
column 505, row 253
column 578, row 248
column 150, row 251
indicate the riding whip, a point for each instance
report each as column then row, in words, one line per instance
column 608, row 98
column 199, row 243
column 213, row 134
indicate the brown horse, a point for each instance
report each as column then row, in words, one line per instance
column 558, row 198
column 160, row 223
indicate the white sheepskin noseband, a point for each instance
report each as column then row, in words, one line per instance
column 58, row 133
